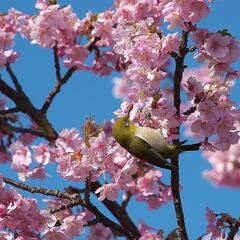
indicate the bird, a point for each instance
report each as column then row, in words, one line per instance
column 145, row 143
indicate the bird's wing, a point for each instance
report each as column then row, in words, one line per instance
column 152, row 136
column 155, row 157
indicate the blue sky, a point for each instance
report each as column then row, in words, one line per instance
column 89, row 95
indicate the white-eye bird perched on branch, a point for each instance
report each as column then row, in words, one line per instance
column 146, row 143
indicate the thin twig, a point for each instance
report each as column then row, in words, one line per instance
column 92, row 222
column 44, row 191
column 27, row 130
column 175, row 185
column 234, row 230
column 63, row 80
column 63, row 207
column 14, row 79
column 190, row 147
column 57, row 89
column 10, row 110
column 57, row 64
column 190, row 111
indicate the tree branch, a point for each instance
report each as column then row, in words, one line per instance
column 234, row 230
column 10, row 110
column 57, row 64
column 40, row 190
column 60, row 81
column 190, row 111
column 175, row 185
column 14, row 79
column 24, row 105
column 190, row 147
column 27, row 130
column 126, row 200
column 63, row 80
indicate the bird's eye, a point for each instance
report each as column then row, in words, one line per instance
column 126, row 123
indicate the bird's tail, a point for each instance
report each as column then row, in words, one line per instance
column 188, row 147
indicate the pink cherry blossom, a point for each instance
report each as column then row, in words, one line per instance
column 217, row 45
column 199, row 36
column 221, row 51
column 211, row 117
column 150, row 236
column 225, row 169
column 72, row 226
column 177, row 13
column 212, row 227
column 109, row 191
column 120, row 88
column 193, row 87
column 6, row 39
column 21, row 156
column 41, row 4
column 75, row 56
column 137, row 10
column 41, row 154
column 54, row 25
column 99, row 232
column 149, row 188
column 55, row 233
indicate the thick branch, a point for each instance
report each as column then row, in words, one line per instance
column 175, row 185
column 24, row 105
column 109, row 223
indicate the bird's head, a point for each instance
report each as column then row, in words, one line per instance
column 123, row 129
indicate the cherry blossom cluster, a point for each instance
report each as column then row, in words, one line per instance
column 22, row 158
column 20, row 218
column 96, row 159
column 219, row 50
column 226, row 166
column 147, row 56
column 7, row 33
column 150, row 189
column 178, row 13
column 218, row 225
column 215, row 118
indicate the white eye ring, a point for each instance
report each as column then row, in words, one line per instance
column 127, row 123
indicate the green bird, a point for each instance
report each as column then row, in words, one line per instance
column 146, row 143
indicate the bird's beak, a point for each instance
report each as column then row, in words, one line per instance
column 130, row 108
